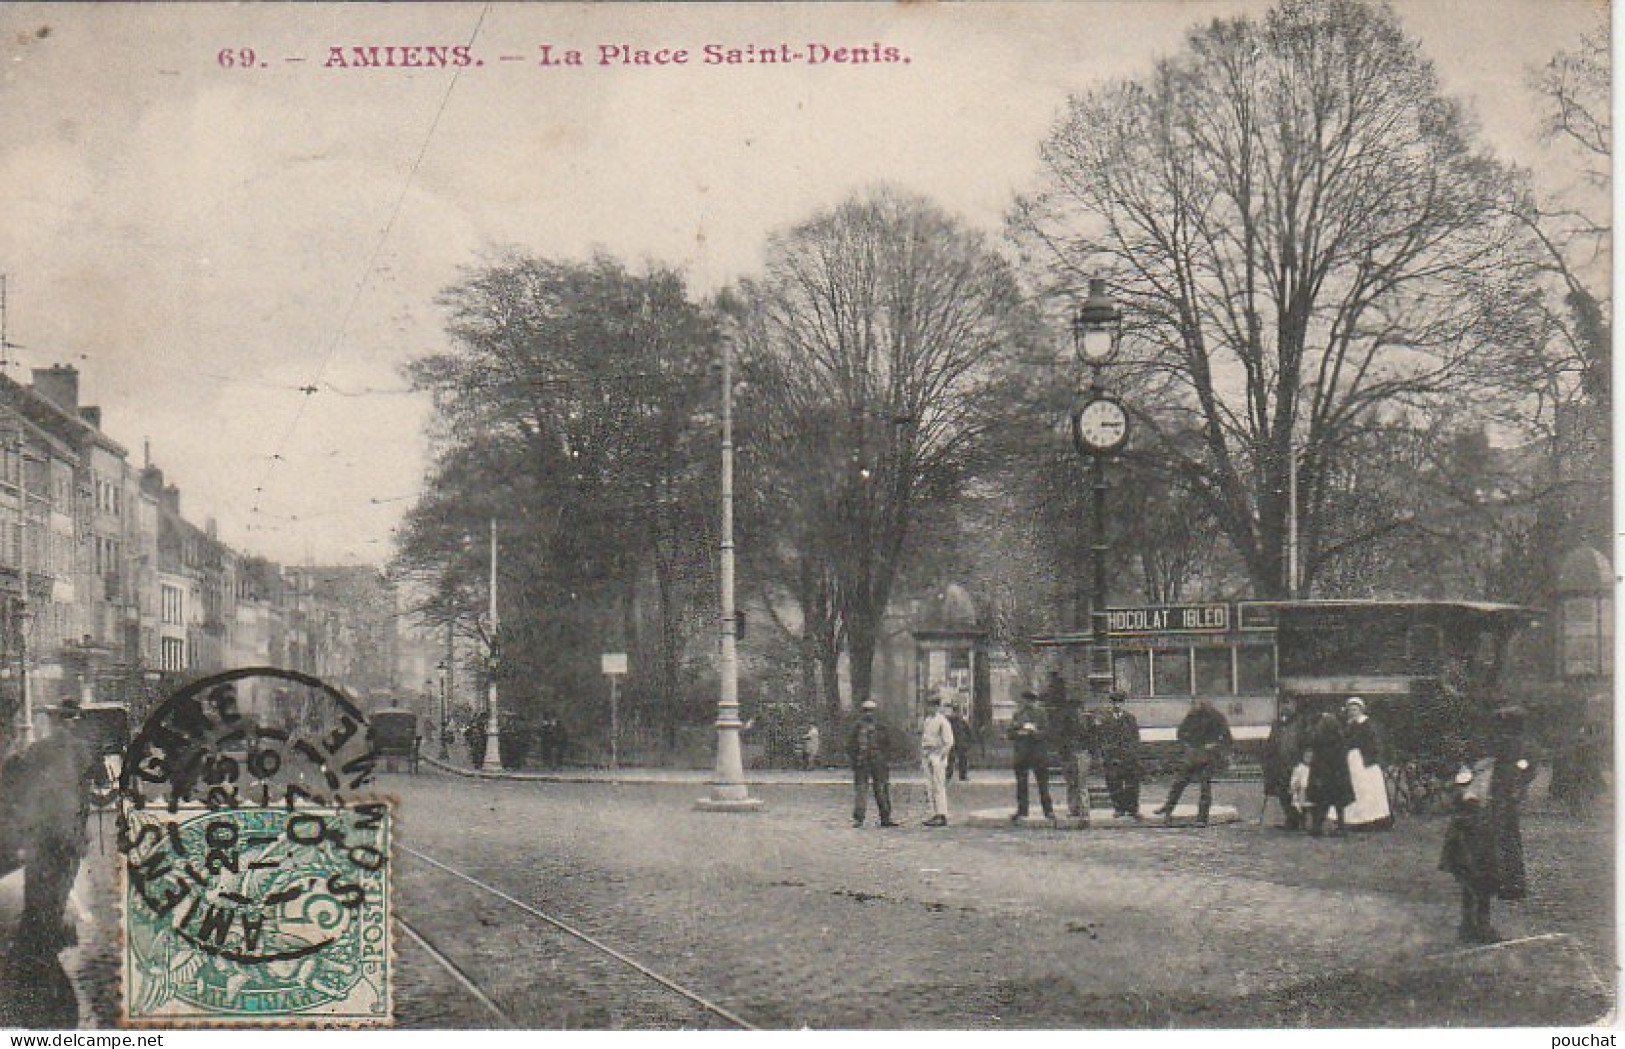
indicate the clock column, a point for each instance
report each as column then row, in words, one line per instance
column 1099, row 429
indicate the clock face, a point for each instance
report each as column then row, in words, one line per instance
column 1100, row 425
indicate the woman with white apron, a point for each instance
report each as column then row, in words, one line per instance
column 1370, row 810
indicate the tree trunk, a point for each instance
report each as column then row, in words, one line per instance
column 829, row 660
column 670, row 642
column 860, row 644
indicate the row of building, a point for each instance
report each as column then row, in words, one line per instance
column 108, row 593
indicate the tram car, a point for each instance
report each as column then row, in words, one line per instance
column 1429, row 671
column 1164, row 656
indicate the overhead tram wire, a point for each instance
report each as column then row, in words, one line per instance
column 345, row 509
column 367, row 271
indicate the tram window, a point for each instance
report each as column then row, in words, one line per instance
column 1213, row 672
column 1131, row 672
column 1255, row 670
column 1424, row 644
column 1171, row 672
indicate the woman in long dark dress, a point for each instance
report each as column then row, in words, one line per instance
column 1369, row 810
column 1483, row 846
column 1329, row 784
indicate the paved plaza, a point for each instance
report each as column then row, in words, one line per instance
column 790, row 917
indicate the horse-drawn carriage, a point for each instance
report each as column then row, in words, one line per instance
column 395, row 737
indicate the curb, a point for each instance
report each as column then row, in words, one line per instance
column 691, row 777
column 694, row 777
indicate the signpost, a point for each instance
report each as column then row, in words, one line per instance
column 614, row 667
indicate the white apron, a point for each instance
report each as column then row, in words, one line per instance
column 1370, row 795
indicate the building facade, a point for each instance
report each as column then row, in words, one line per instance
column 109, row 594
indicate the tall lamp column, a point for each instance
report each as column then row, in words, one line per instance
column 1099, row 430
column 728, row 790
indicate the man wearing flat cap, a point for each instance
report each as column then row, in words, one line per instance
column 1118, row 738
column 1029, row 731
column 866, row 747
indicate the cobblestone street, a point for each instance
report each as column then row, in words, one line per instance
column 792, row 918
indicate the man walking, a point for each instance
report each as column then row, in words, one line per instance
column 1205, row 733
column 1119, row 740
column 1029, row 731
column 866, row 747
column 936, row 742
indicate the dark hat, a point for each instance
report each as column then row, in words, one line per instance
column 1118, row 695
column 1028, row 694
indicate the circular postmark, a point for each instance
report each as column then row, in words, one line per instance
column 255, row 868
column 292, row 739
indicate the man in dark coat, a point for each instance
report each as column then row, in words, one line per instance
column 1117, row 736
column 1483, row 846
column 47, row 798
column 1029, row 731
column 1205, row 735
column 1283, row 749
column 1329, row 783
column 964, row 736
column 866, row 747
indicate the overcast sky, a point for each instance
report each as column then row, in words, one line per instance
column 202, row 241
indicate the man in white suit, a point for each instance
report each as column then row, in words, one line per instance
column 936, row 743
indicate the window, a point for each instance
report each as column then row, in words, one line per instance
column 1131, row 672
column 1171, row 672
column 173, row 654
column 1255, row 670
column 171, row 612
column 1213, row 672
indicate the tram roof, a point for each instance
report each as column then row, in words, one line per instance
column 1489, row 608
column 1492, row 610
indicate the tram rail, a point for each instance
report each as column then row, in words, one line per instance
column 472, row 987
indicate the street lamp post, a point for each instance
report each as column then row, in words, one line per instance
column 1099, row 429
column 728, row 790
column 493, row 761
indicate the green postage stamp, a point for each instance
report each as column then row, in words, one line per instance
column 258, row 916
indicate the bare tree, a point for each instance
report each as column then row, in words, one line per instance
column 1306, row 240
column 870, row 342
